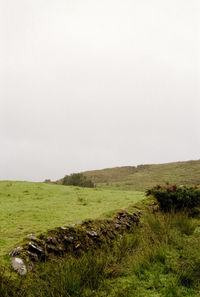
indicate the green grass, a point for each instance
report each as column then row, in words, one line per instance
column 143, row 177
column 36, row 207
column 159, row 258
column 156, row 259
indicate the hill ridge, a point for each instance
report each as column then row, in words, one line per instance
column 143, row 176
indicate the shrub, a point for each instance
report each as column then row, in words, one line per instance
column 77, row 179
column 174, row 197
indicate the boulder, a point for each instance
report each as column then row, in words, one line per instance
column 19, row 266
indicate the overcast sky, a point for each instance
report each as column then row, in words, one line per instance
column 89, row 84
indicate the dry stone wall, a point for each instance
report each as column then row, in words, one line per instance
column 74, row 239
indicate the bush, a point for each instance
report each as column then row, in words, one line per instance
column 174, row 197
column 77, row 179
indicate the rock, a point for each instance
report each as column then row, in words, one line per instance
column 15, row 251
column 52, row 240
column 64, row 228
column 77, row 246
column 92, row 233
column 19, row 266
column 31, row 235
column 69, row 239
column 57, row 250
column 32, row 247
column 123, row 215
column 117, row 226
column 128, row 225
column 33, row 256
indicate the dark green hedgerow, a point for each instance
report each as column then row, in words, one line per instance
column 174, row 197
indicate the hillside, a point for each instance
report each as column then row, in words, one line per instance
column 145, row 176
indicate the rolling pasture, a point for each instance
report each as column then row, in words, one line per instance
column 27, row 207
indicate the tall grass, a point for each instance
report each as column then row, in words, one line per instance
column 158, row 258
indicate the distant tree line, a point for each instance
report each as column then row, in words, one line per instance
column 77, row 179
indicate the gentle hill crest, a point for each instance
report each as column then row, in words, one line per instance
column 142, row 177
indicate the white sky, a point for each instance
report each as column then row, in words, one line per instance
column 89, row 84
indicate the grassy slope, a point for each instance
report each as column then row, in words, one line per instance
column 36, row 207
column 145, row 176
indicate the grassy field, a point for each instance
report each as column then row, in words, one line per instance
column 143, row 177
column 158, row 258
column 27, row 207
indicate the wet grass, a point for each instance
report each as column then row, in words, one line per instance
column 36, row 207
column 156, row 259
